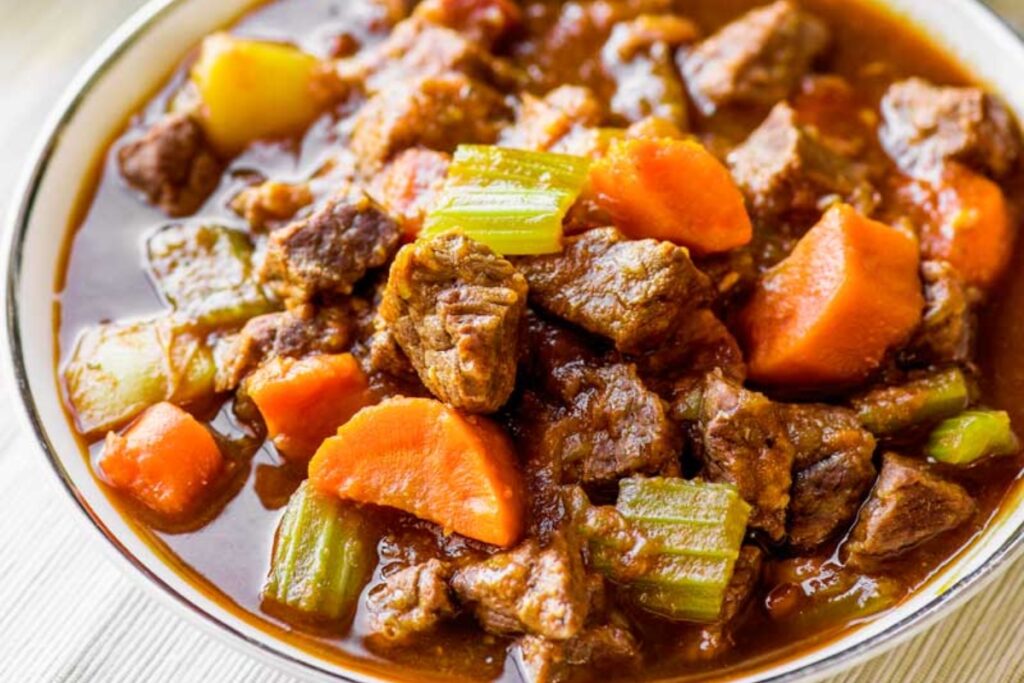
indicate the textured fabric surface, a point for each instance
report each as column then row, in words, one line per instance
column 67, row 614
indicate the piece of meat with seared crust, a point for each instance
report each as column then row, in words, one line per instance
column 541, row 122
column 172, row 164
column 784, row 166
column 635, row 292
column 530, row 589
column 330, row 251
column 946, row 334
column 756, row 60
column 908, row 506
column 483, row 21
column 924, row 125
column 832, row 472
column 296, row 333
column 604, row 646
column 410, row 602
column 743, row 441
column 455, row 308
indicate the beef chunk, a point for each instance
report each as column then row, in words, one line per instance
column 832, row 471
column 924, row 125
column 784, row 166
column 541, row 122
column 271, row 202
column 409, row 602
column 437, row 112
column 455, row 308
column 330, row 251
column 605, row 646
column 756, row 60
column 529, row 589
column 482, row 21
column 172, row 165
column 409, row 185
column 946, row 334
column 709, row 642
column 295, row 333
column 638, row 57
column 744, row 442
column 909, row 505
column 634, row 292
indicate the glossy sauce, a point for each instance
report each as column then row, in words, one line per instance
column 228, row 557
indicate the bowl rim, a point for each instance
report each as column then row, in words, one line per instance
column 16, row 225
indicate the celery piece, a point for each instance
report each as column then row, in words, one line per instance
column 324, row 554
column 512, row 200
column 845, row 601
column 205, row 271
column 889, row 410
column 116, row 371
column 972, row 435
column 692, row 532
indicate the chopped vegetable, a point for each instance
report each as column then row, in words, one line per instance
column 889, row 410
column 692, row 530
column 972, row 435
column 165, row 459
column 832, row 598
column 671, row 190
column 512, row 200
column 324, row 553
column 206, row 272
column 304, row 401
column 250, row 90
column 831, row 310
column 971, row 228
column 419, row 455
column 117, row 371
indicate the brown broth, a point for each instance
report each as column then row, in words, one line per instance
column 227, row 557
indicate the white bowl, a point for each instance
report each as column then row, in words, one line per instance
column 130, row 66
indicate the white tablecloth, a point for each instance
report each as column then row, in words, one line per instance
column 67, row 614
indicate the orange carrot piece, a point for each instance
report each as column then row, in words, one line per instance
column 409, row 186
column 166, row 459
column 420, row 456
column 671, row 190
column 971, row 226
column 304, row 400
column 847, row 293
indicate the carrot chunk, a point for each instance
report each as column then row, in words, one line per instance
column 304, row 401
column 672, row 190
column 971, row 226
column 420, row 456
column 847, row 293
column 166, row 459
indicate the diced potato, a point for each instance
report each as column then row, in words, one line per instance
column 250, row 90
column 206, row 273
column 117, row 371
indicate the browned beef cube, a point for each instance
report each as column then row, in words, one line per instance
column 946, row 334
column 909, row 505
column 744, row 442
column 638, row 57
column 610, row 646
column 271, row 203
column 409, row 602
column 709, row 642
column 530, row 589
column 541, row 122
column 833, row 471
column 635, row 292
column 295, row 333
column 757, row 59
column 455, row 307
column 925, row 125
column 330, row 251
column 482, row 21
column 437, row 112
column 784, row 166
column 172, row 165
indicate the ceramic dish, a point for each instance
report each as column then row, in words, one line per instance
column 135, row 60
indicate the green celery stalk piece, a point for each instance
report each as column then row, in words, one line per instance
column 324, row 554
column 512, row 200
column 117, row 371
column 847, row 603
column 205, row 272
column 682, row 603
column 972, row 435
column 890, row 410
